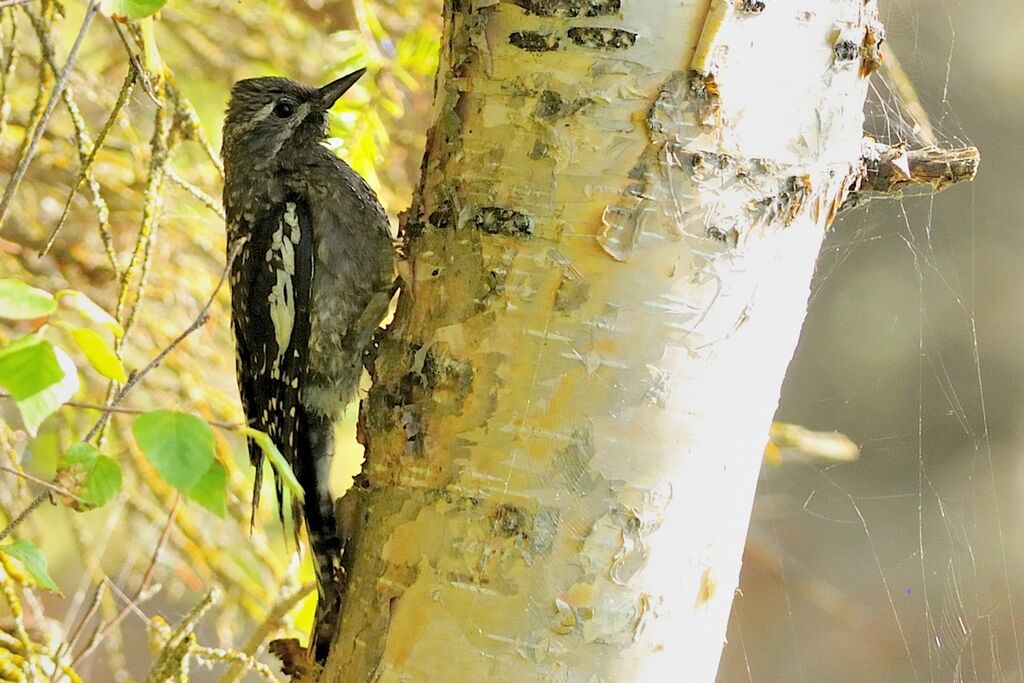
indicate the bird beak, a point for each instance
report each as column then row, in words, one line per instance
column 330, row 93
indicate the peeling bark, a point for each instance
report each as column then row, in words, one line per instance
column 609, row 264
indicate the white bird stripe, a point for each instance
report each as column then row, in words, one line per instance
column 281, row 257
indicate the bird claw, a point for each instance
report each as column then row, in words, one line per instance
column 295, row 661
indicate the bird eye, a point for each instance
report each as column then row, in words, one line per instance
column 284, row 109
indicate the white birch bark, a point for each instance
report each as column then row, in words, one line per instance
column 609, row 265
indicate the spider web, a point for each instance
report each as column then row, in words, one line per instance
column 904, row 565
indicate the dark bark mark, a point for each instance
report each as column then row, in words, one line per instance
column 539, row 151
column 704, row 91
column 790, row 199
column 600, row 38
column 572, row 464
column 532, row 534
column 846, row 51
column 498, row 220
column 447, row 380
column 444, row 216
column 728, row 237
column 571, row 294
column 570, row 8
column 551, row 106
column 752, row 6
column 510, row 520
column 705, row 163
column 496, row 278
column 534, row 41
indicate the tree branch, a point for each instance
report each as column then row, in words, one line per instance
column 101, row 631
column 60, row 491
column 137, row 377
column 890, row 172
column 58, row 88
column 196, row 324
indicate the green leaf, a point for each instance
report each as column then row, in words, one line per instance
column 40, row 405
column 93, row 477
column 19, row 301
column 98, row 352
column 90, row 310
column 103, row 482
column 212, row 490
column 80, row 453
column 28, row 365
column 132, row 9
column 178, row 445
column 277, row 461
column 34, row 560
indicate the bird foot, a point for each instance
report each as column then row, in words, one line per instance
column 295, row 661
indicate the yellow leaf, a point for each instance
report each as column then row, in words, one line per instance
column 99, row 353
column 90, row 310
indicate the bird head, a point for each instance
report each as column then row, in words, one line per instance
column 267, row 116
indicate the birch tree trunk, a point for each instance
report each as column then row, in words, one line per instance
column 609, row 264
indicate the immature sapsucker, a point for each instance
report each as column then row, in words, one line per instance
column 309, row 286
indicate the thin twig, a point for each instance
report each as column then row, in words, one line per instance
column 7, row 65
column 82, row 141
column 894, row 72
column 187, row 121
column 140, row 70
column 7, row 588
column 60, row 491
column 199, row 321
column 37, row 134
column 229, row 426
column 4, row 4
column 70, row 642
column 131, row 604
column 160, row 150
column 136, row 377
column 179, row 642
column 205, row 199
column 36, row 502
column 269, row 624
column 246, row 662
column 122, row 99
column 101, row 631
column 90, row 550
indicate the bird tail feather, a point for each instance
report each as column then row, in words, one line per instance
column 315, row 453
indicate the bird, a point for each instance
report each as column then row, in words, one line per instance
column 312, row 277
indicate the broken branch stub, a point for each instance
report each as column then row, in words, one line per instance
column 893, row 172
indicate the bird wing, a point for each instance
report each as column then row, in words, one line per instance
column 271, row 282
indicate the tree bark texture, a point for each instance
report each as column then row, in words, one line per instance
column 609, row 261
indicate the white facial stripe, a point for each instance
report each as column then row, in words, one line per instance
column 299, row 116
column 290, row 124
column 263, row 113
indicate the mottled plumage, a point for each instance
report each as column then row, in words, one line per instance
column 309, row 287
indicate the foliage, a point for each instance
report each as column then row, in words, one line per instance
column 94, row 478
column 19, row 301
column 33, row 560
column 178, row 445
column 131, row 9
column 109, row 246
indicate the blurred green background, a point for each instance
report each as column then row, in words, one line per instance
column 203, row 46
column 901, row 566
